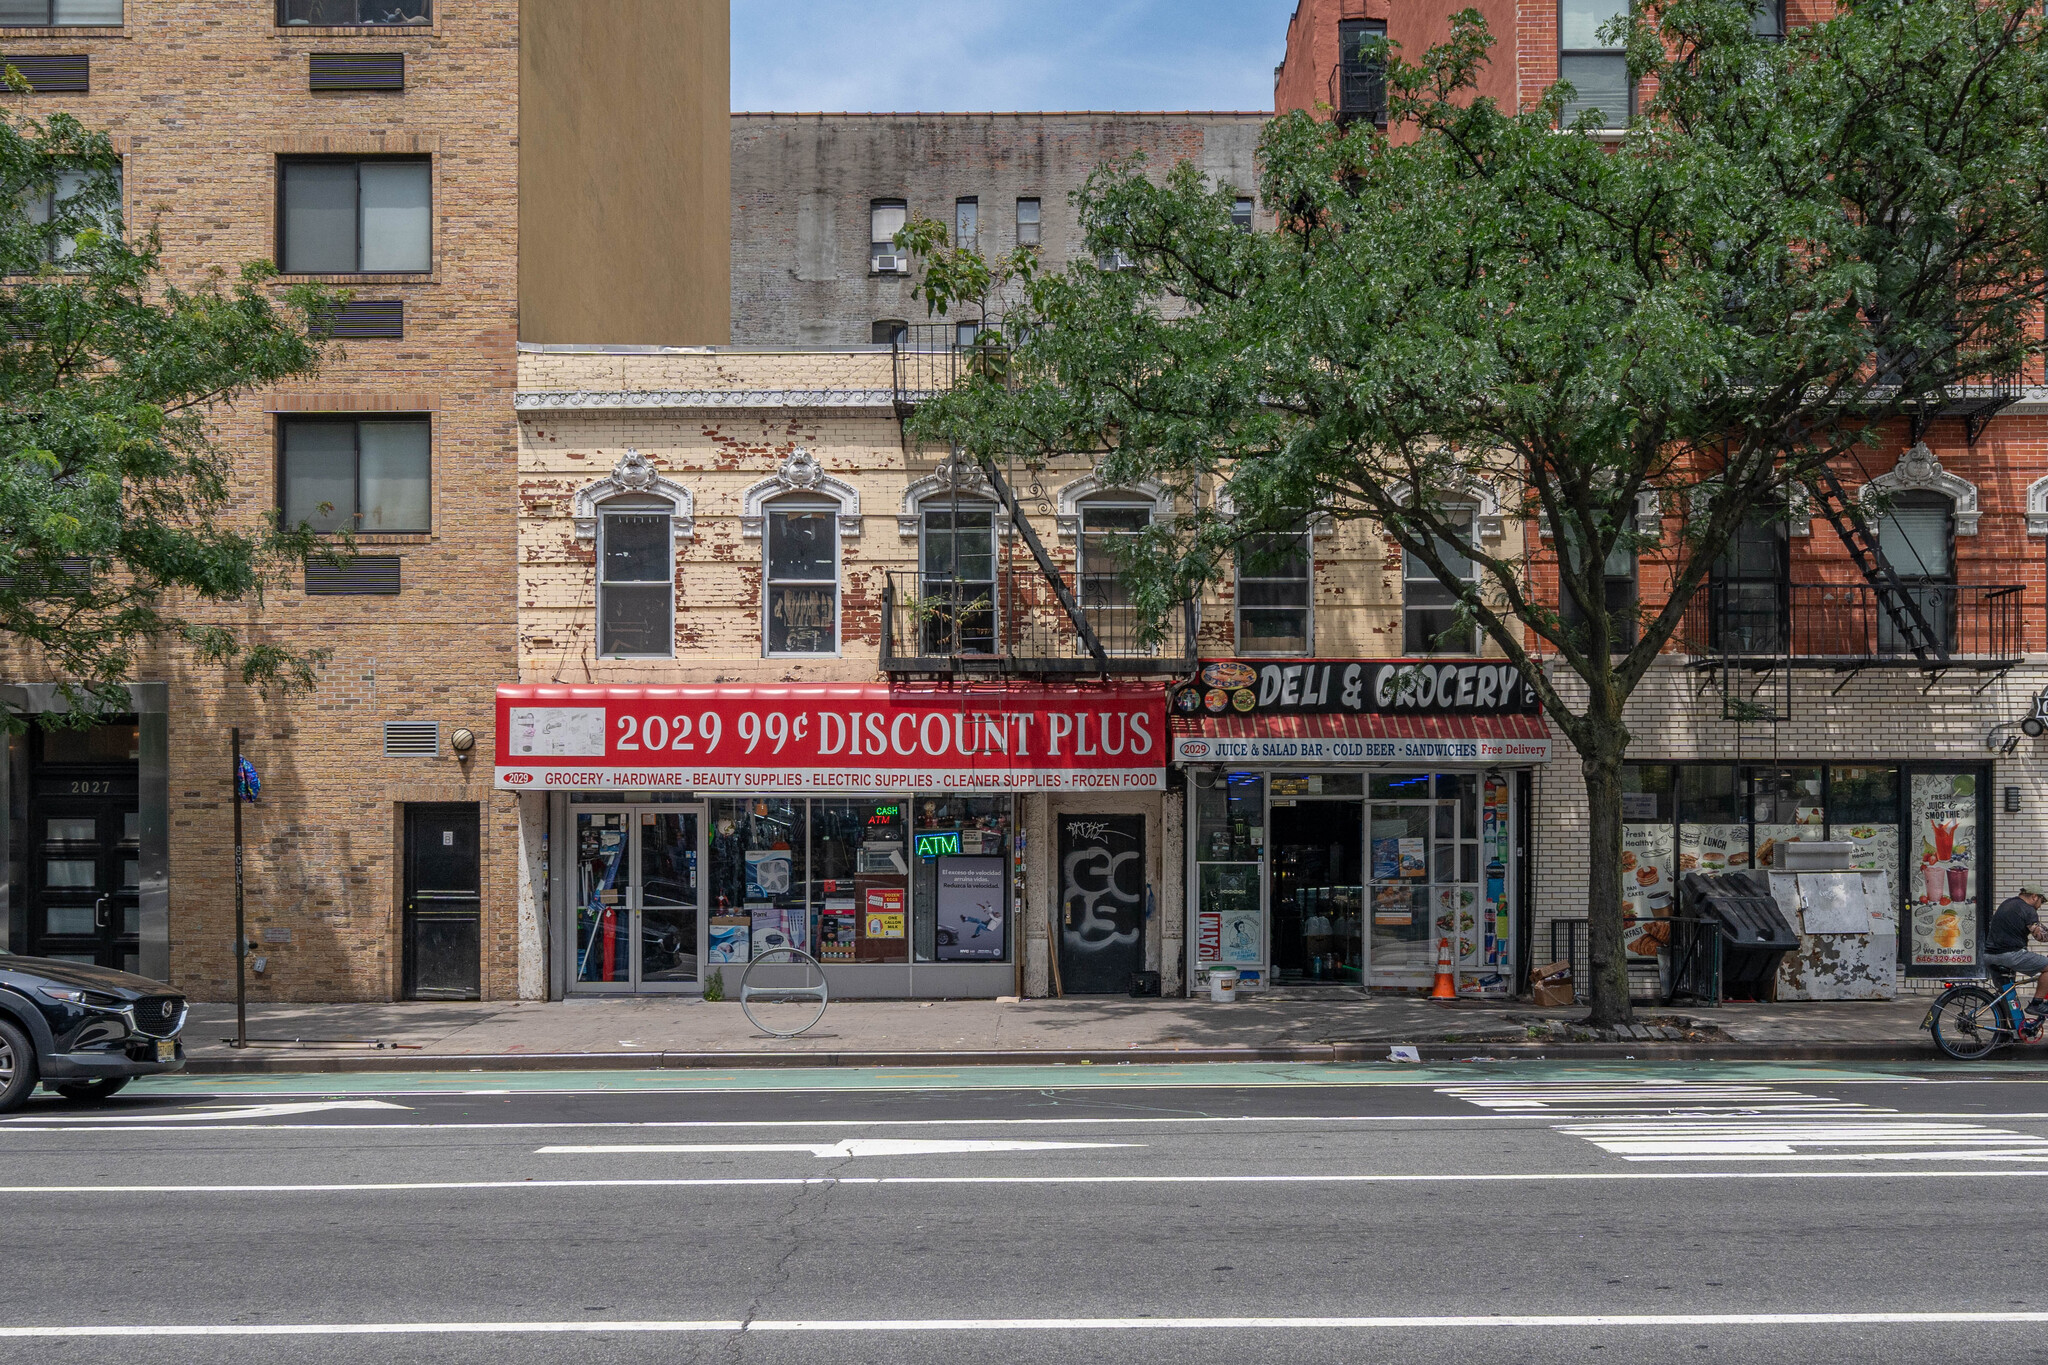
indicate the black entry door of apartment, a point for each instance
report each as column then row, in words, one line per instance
column 1102, row 902
column 443, row 903
column 83, row 893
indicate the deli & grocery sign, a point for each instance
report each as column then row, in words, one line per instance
column 831, row 738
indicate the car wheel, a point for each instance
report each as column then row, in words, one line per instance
column 102, row 1089
column 17, row 1067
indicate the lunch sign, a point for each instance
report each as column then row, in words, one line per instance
column 826, row 738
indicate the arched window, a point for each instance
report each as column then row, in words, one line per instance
column 800, row 588
column 636, row 595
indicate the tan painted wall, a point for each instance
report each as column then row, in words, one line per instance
column 624, row 138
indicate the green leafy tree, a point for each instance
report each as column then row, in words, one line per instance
column 1793, row 242
column 114, row 533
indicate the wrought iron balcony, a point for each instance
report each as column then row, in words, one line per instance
column 1844, row 626
column 936, row 624
column 1359, row 92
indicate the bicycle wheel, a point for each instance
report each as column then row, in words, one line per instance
column 790, row 994
column 1966, row 1025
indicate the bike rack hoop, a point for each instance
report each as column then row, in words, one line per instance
column 784, row 957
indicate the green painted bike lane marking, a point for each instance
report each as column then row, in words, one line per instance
column 1198, row 1075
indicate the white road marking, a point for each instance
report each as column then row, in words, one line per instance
column 708, row 1182
column 846, row 1147
column 1647, row 1096
column 253, row 1111
column 1806, row 1139
column 1150, row 1324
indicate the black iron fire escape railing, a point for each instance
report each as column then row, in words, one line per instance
column 1927, row 645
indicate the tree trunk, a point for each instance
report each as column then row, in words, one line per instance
column 1600, row 759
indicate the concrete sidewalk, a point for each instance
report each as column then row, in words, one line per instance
column 1325, row 1026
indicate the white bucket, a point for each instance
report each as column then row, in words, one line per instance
column 1223, row 985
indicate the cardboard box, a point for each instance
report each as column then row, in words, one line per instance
column 1550, row 985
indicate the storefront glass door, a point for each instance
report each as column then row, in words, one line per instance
column 1402, row 949
column 639, row 898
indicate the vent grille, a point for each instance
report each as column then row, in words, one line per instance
column 363, row 576
column 373, row 319
column 412, row 739
column 51, row 73
column 357, row 70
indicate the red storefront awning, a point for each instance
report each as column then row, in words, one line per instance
column 1368, row 738
column 832, row 737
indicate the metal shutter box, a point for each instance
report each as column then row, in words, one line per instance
column 53, row 74
column 357, row 70
column 363, row 576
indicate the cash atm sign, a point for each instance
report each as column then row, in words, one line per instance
column 942, row 845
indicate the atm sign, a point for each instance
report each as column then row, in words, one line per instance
column 945, row 844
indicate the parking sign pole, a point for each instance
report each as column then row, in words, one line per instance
column 241, row 933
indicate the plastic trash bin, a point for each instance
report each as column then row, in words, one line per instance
column 1223, row 985
column 1754, row 932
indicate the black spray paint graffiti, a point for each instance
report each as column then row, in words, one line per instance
column 1097, row 898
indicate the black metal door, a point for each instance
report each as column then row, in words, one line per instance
column 443, row 903
column 1102, row 902
column 84, row 897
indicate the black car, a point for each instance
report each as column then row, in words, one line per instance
column 83, row 1031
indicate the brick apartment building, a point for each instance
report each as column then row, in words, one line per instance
column 816, row 198
column 1852, row 734
column 495, row 155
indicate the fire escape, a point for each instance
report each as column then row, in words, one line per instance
column 968, row 612
column 1888, row 620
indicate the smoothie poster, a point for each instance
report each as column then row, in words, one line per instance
column 1941, row 869
column 1648, row 886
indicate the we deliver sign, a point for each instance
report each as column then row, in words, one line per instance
column 824, row 738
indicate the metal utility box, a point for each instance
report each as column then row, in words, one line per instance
column 1848, row 929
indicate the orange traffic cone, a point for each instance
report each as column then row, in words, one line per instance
column 1446, row 988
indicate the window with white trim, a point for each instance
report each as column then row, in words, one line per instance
column 1429, row 610
column 1027, row 222
column 1273, row 594
column 800, row 589
column 1598, row 71
column 886, row 218
column 636, row 595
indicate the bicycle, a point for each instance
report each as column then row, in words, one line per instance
column 1969, row 1021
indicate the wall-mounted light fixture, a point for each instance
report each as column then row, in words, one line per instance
column 462, row 741
column 2012, row 800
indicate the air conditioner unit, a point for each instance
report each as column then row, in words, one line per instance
column 892, row 265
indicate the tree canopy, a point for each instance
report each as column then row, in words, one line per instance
column 1793, row 242
column 115, row 531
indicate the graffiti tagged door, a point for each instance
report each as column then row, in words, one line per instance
column 1102, row 902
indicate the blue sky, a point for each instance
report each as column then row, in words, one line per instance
column 855, row 55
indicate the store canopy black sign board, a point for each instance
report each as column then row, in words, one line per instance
column 1471, row 687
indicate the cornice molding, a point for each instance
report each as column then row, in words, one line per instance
column 585, row 400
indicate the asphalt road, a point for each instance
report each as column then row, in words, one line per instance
column 1508, row 1213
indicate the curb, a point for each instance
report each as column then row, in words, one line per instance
column 1901, row 1050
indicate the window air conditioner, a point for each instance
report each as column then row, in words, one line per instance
column 889, row 265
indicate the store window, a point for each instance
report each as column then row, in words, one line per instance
column 1733, row 819
column 1274, row 594
column 1230, row 838
column 1917, row 535
column 961, row 892
column 636, row 596
column 1593, row 61
column 860, row 879
column 801, row 588
column 883, row 880
column 1429, row 610
column 1110, row 525
column 957, row 576
column 1749, row 590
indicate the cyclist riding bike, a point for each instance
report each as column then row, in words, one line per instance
column 2014, row 925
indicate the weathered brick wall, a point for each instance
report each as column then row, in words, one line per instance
column 801, row 185
column 202, row 98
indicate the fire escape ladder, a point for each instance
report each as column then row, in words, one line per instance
column 1008, row 498
column 1898, row 604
